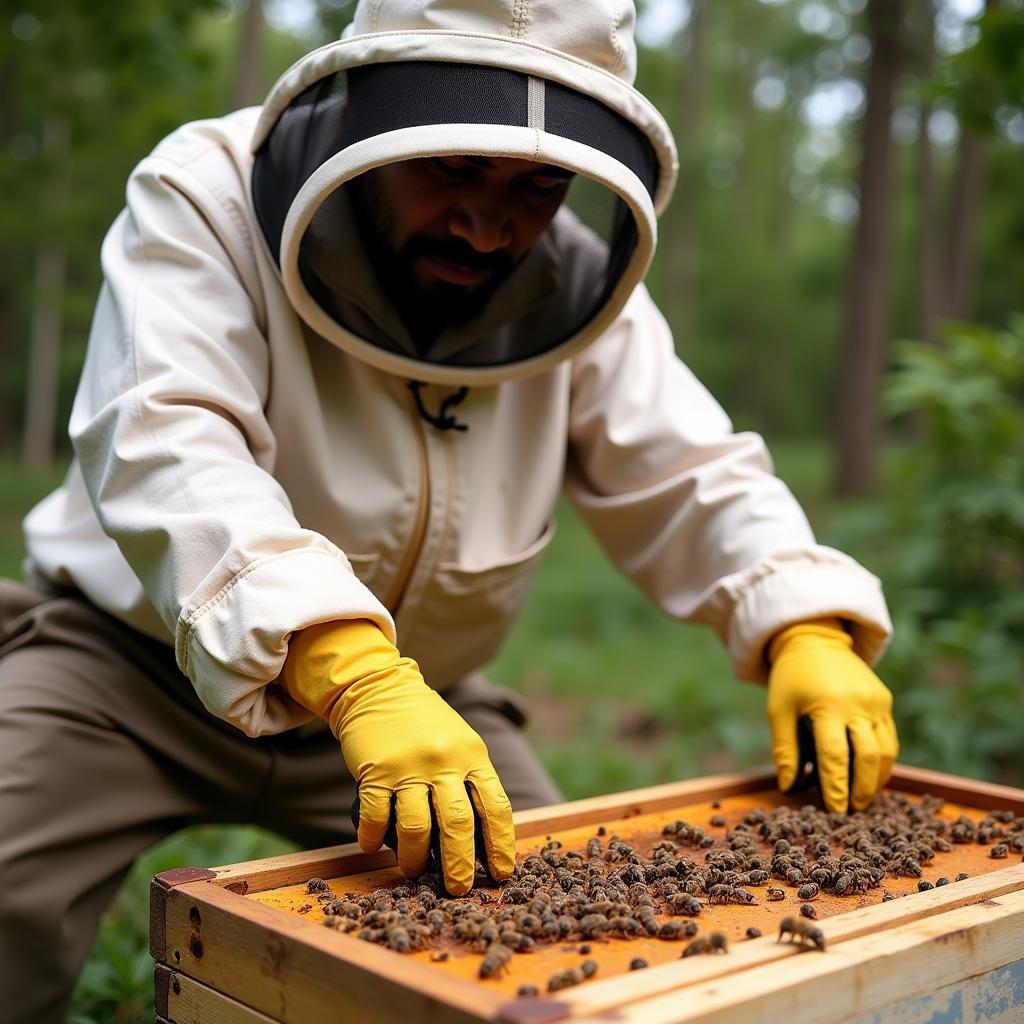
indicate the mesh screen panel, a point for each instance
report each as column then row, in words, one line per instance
column 347, row 107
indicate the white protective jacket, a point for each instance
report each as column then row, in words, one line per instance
column 246, row 467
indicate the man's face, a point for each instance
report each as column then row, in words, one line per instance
column 444, row 232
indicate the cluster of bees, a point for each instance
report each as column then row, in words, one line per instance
column 610, row 889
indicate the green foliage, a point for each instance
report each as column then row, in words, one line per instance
column 949, row 543
column 987, row 79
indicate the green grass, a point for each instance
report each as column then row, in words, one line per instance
column 622, row 697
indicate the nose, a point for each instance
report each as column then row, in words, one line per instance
column 482, row 219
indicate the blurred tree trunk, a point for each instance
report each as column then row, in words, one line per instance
column 681, row 238
column 247, row 82
column 867, row 315
column 963, row 217
column 39, row 430
column 8, row 314
column 931, row 262
column 965, row 203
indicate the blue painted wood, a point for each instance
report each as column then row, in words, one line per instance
column 993, row 998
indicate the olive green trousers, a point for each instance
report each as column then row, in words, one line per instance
column 105, row 749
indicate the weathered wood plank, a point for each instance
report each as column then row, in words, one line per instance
column 183, row 1000
column 301, row 975
column 852, row 979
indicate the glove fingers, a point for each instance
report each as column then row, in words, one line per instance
column 413, row 819
column 866, row 763
column 495, row 813
column 374, row 815
column 455, row 824
column 833, row 761
column 785, row 751
column 888, row 747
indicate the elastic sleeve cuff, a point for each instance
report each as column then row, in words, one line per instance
column 233, row 645
column 805, row 590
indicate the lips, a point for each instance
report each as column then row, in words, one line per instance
column 452, row 272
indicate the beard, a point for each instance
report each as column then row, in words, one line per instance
column 426, row 310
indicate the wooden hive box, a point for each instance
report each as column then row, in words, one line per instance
column 242, row 944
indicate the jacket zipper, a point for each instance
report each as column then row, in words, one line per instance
column 412, row 552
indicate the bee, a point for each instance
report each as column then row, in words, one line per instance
column 592, row 925
column 717, row 820
column 756, row 877
column 684, row 903
column 962, row 877
column 795, row 876
column 495, row 961
column 316, row 885
column 647, row 917
column 527, row 991
column 924, row 885
column 713, row 943
column 807, row 910
column 398, row 939
column 753, row 933
column 566, row 979
column 730, row 894
column 844, row 883
column 887, row 896
column 999, row 851
column 802, row 932
column 623, row 925
column 673, row 930
column 515, row 940
column 637, row 964
column 808, row 891
column 775, row 894
column 440, row 956
column 466, row 929
column 513, row 894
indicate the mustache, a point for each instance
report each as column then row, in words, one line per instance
column 455, row 250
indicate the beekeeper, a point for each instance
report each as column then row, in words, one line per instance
column 350, row 349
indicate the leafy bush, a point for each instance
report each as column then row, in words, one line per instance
column 949, row 542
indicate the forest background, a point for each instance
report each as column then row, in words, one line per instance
column 852, row 175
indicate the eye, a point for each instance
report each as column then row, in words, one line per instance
column 450, row 168
column 544, row 186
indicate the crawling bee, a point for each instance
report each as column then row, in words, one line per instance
column 495, row 961
column 398, row 939
column 713, row 943
column 802, row 932
column 999, row 851
column 593, row 925
column 572, row 976
column 515, row 940
column 623, row 925
column 684, row 903
column 316, row 885
column 807, row 910
column 775, row 894
column 729, row 894
column 808, row 891
column 673, row 930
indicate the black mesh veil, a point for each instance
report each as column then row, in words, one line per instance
column 557, row 288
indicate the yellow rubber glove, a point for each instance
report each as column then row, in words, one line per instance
column 815, row 672
column 398, row 736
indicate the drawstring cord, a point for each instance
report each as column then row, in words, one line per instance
column 442, row 420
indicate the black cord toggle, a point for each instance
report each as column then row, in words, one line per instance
column 443, row 421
